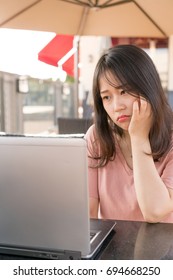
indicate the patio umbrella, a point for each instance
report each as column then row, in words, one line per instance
column 126, row 18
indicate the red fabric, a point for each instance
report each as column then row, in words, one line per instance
column 59, row 46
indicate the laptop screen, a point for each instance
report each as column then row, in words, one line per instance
column 44, row 193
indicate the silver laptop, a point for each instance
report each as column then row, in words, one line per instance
column 44, row 207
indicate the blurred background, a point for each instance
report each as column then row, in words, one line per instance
column 49, row 50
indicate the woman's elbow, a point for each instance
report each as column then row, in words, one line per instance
column 151, row 219
column 153, row 216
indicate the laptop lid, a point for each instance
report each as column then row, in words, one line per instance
column 44, row 194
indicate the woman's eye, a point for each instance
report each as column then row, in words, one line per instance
column 123, row 92
column 106, row 97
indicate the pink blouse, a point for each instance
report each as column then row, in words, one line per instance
column 113, row 184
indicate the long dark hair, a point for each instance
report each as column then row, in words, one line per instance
column 136, row 73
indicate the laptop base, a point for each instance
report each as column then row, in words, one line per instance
column 103, row 232
column 40, row 254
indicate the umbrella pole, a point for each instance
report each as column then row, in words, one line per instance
column 76, row 75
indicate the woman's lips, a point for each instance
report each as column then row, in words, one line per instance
column 123, row 118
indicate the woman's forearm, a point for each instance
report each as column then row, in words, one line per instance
column 154, row 199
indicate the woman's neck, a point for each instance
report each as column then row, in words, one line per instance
column 125, row 147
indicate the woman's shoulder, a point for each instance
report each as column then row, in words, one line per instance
column 91, row 140
column 90, row 134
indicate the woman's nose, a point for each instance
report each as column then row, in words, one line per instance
column 118, row 104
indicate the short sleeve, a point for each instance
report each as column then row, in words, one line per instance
column 167, row 175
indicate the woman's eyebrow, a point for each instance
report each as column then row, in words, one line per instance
column 104, row 91
column 114, row 86
column 119, row 87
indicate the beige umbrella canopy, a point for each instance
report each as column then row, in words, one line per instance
column 128, row 18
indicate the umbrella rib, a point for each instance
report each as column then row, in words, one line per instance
column 107, row 2
column 20, row 12
column 91, row 4
column 107, row 5
column 77, row 2
column 147, row 15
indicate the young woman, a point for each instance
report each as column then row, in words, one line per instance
column 130, row 145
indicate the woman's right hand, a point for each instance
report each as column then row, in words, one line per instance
column 141, row 120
